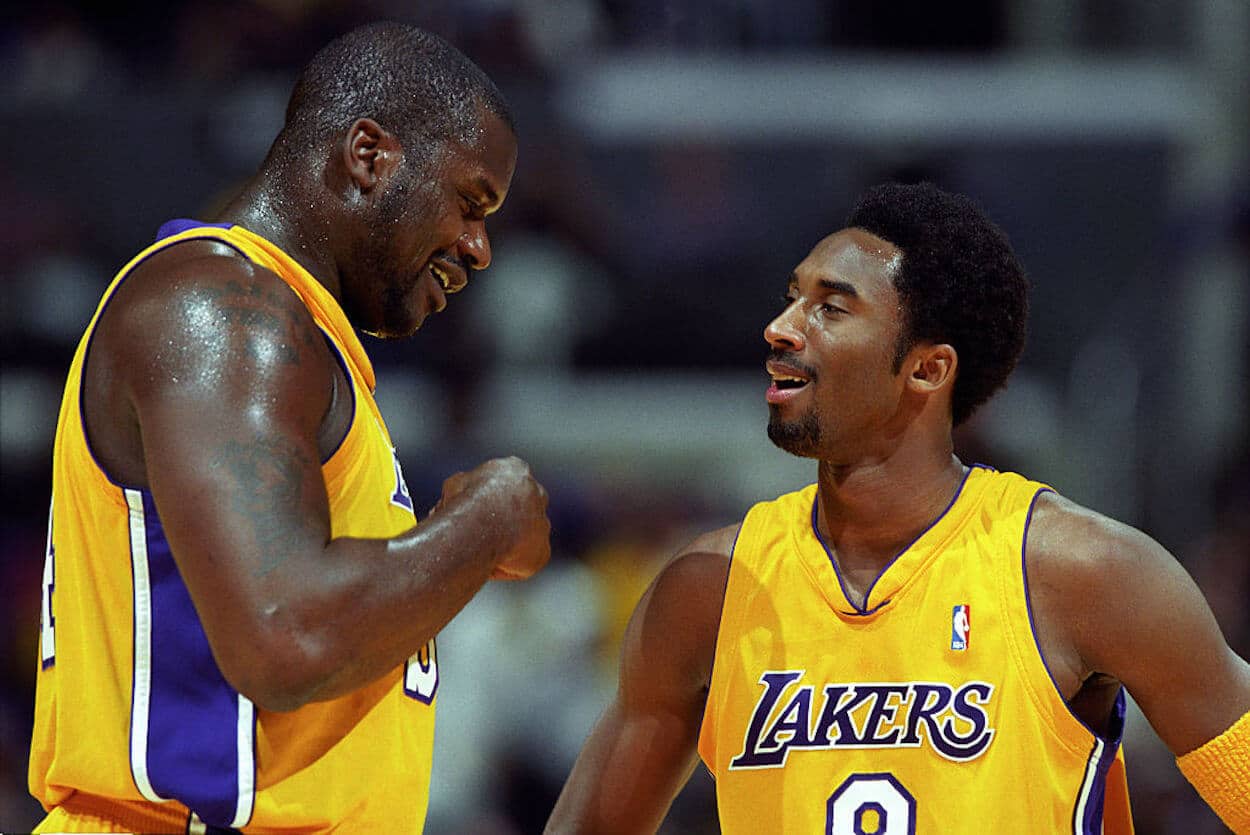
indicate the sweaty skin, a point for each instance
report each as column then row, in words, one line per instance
column 1110, row 605
column 209, row 384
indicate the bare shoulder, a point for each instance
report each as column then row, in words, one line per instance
column 1092, row 580
column 691, row 587
column 1087, row 553
column 675, row 623
column 199, row 290
column 705, row 560
column 199, row 337
column 199, row 320
column 1113, row 602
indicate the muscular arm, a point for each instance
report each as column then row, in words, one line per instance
column 227, row 380
column 643, row 749
column 1111, row 601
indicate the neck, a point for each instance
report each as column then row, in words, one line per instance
column 870, row 511
column 279, row 216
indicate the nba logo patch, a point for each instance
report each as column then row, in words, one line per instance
column 960, row 625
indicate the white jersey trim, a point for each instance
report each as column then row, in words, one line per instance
column 140, row 702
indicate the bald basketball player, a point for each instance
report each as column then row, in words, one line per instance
column 239, row 609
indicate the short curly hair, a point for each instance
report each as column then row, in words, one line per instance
column 959, row 283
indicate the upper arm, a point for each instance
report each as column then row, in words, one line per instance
column 1129, row 610
column 666, row 653
column 643, row 749
column 228, row 380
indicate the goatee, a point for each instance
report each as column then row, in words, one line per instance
column 797, row 437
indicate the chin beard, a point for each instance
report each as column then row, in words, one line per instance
column 397, row 319
column 797, row 437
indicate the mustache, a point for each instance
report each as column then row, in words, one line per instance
column 787, row 358
column 448, row 257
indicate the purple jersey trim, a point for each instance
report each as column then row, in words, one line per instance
column 1028, row 605
column 1091, row 821
column 193, row 724
column 859, row 611
column 172, row 227
column 711, row 675
column 351, row 390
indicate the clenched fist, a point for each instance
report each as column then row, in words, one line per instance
column 518, row 513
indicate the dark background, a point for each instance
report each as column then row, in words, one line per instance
column 677, row 160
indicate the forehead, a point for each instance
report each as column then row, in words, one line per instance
column 855, row 257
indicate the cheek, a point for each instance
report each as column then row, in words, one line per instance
column 412, row 218
column 447, row 229
column 430, row 238
column 858, row 377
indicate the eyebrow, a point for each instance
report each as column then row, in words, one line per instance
column 832, row 285
column 840, row 287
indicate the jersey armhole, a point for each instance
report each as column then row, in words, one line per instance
column 715, row 693
column 341, row 361
column 1066, row 726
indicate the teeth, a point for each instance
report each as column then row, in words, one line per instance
column 442, row 277
column 781, row 378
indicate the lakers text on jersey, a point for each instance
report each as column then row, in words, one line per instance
column 927, row 708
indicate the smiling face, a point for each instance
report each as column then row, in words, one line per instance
column 428, row 231
column 836, row 384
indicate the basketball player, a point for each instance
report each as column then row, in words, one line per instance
column 909, row 645
column 239, row 610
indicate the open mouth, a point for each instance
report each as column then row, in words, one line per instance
column 441, row 276
column 450, row 275
column 787, row 383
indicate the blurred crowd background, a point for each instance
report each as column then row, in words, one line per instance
column 678, row 158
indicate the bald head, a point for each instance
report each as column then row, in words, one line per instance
column 411, row 82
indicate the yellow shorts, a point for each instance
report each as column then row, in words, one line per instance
column 74, row 818
column 59, row 820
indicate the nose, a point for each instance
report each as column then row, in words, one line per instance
column 782, row 332
column 475, row 246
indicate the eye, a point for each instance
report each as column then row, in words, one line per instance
column 831, row 310
column 471, row 209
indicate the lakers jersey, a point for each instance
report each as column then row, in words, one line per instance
column 134, row 722
column 928, row 709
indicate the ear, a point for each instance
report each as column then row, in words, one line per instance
column 370, row 154
column 932, row 368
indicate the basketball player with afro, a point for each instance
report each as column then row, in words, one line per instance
column 910, row 644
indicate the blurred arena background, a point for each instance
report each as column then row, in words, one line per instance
column 678, row 158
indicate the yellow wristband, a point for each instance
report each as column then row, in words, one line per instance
column 1220, row 771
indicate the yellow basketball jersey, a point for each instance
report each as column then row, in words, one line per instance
column 134, row 722
column 927, row 710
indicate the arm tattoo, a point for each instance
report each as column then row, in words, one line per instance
column 268, row 483
column 265, row 313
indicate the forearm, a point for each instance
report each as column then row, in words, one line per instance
column 626, row 776
column 374, row 602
